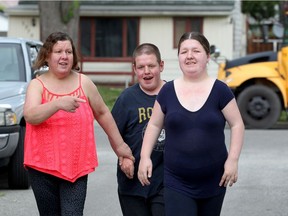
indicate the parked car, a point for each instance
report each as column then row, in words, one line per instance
column 17, row 56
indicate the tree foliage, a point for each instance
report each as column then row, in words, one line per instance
column 260, row 10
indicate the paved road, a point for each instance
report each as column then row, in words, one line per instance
column 262, row 188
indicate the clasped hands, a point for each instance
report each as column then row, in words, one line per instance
column 127, row 167
column 144, row 172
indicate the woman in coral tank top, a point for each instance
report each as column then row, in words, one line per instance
column 60, row 149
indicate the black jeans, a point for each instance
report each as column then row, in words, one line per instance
column 58, row 197
column 140, row 206
column 180, row 204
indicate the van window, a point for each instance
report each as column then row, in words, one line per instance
column 12, row 66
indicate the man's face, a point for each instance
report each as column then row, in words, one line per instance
column 147, row 70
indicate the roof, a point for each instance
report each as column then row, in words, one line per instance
column 140, row 8
column 19, row 40
column 160, row 7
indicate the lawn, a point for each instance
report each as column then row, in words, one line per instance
column 109, row 94
column 283, row 116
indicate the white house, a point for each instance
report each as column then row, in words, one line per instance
column 110, row 30
column 3, row 25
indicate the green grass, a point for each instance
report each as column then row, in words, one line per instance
column 109, row 94
column 283, row 116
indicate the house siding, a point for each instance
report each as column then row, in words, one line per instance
column 156, row 26
column 23, row 27
column 159, row 30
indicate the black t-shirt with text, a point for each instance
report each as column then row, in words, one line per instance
column 132, row 111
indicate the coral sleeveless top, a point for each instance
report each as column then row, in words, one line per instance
column 63, row 145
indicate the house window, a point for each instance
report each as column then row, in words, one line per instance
column 186, row 24
column 103, row 37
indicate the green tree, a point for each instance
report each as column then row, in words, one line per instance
column 260, row 10
column 1, row 9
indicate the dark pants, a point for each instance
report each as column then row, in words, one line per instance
column 140, row 206
column 180, row 204
column 58, row 197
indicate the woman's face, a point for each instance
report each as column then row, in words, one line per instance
column 192, row 58
column 147, row 70
column 60, row 60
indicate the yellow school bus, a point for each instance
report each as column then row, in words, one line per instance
column 259, row 83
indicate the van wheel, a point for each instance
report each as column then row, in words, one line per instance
column 17, row 174
column 260, row 107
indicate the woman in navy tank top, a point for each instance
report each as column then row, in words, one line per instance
column 194, row 110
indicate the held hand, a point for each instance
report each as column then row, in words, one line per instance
column 145, row 171
column 127, row 166
column 230, row 175
column 124, row 151
column 70, row 103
